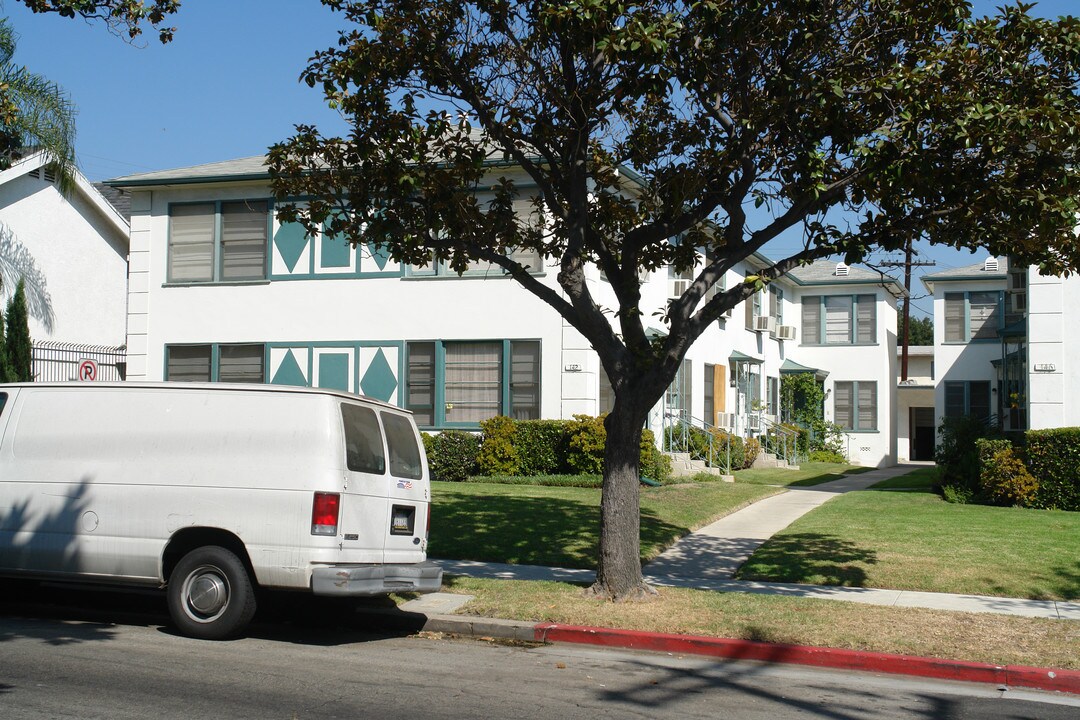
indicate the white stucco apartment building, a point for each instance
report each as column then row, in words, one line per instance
column 220, row 290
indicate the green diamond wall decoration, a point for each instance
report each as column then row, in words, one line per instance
column 379, row 381
column 290, row 242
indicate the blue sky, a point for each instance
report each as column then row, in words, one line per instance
column 226, row 87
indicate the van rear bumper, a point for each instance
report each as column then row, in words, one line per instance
column 420, row 577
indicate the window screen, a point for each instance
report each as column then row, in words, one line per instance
column 243, row 240
column 241, row 364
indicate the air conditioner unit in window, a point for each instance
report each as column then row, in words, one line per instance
column 753, row 422
column 725, row 421
column 764, row 323
column 676, row 287
column 785, row 332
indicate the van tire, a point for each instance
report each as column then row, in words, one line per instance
column 210, row 594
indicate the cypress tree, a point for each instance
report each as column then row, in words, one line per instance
column 5, row 369
column 17, row 337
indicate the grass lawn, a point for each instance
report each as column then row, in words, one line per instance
column 560, row 526
column 974, row 637
column 809, row 473
column 921, row 479
column 917, row 541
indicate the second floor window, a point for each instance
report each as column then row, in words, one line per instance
column 218, row 241
column 972, row 316
column 839, row 319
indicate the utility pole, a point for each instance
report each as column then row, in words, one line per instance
column 907, row 264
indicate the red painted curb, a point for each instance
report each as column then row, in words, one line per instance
column 1016, row 676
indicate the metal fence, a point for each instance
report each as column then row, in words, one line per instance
column 59, row 362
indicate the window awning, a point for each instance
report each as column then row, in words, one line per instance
column 790, row 367
column 737, row 356
column 1017, row 329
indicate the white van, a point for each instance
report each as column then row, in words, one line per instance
column 213, row 490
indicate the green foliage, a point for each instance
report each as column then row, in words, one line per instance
column 583, row 481
column 752, row 448
column 920, row 332
column 958, row 457
column 1053, row 457
column 802, row 399
column 655, row 465
column 587, row 436
column 828, row 456
column 1003, row 479
column 452, row 456
column 18, row 347
column 541, row 446
column 121, row 16
column 498, row 452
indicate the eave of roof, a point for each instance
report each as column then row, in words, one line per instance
column 82, row 185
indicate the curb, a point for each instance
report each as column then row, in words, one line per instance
column 1066, row 681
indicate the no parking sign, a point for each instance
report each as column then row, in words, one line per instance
column 88, row 370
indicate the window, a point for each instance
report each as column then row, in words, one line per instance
column 679, row 393
column 972, row 316
column 772, row 396
column 218, row 241
column 839, row 320
column 967, row 398
column 404, row 452
column 776, row 304
column 753, row 309
column 215, row 363
column 3, row 402
column 463, row 383
column 606, row 394
column 855, row 406
column 363, row 440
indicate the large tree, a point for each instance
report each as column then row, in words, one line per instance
column 688, row 134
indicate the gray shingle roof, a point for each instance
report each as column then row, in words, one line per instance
column 974, row 271
column 824, row 271
column 253, row 167
column 118, row 198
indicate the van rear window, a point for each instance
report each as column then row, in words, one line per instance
column 363, row 441
column 404, row 452
column 3, row 402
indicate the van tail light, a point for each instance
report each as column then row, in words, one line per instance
column 324, row 513
column 427, row 529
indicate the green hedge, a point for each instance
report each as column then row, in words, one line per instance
column 1053, row 458
column 532, row 448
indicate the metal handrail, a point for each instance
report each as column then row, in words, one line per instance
column 700, row 440
column 778, row 440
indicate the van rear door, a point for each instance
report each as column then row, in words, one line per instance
column 365, row 504
column 409, row 490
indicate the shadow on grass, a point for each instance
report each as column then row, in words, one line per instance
column 1068, row 581
column 809, row 558
column 528, row 530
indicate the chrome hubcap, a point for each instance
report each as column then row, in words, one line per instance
column 206, row 593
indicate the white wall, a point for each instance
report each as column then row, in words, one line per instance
column 1053, row 344
column 79, row 256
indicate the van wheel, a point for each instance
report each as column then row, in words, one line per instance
column 210, row 594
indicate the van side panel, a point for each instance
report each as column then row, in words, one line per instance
column 97, row 482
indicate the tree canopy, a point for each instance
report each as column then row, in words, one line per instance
column 688, row 134
column 123, row 17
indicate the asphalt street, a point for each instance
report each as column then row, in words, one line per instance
column 73, row 654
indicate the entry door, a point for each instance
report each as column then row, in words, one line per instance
column 922, row 433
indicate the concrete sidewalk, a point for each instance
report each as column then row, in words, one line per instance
column 716, row 551
column 871, row 596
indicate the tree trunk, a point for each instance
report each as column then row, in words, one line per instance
column 618, row 575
